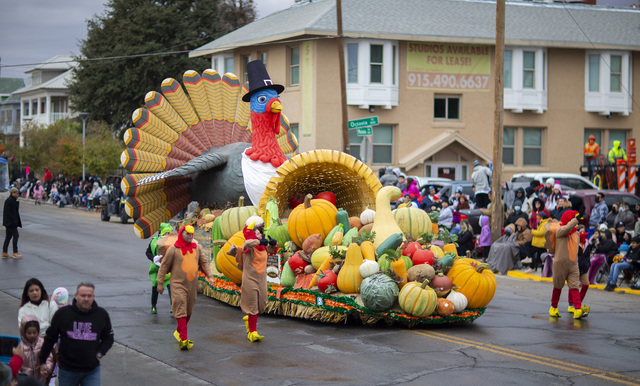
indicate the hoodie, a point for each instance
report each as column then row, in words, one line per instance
column 485, row 232
column 31, row 364
column 524, row 235
column 82, row 335
column 616, row 153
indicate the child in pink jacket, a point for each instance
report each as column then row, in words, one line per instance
column 31, row 343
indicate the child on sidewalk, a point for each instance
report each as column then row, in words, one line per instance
column 31, row 343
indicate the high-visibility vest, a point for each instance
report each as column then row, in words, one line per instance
column 616, row 154
column 591, row 151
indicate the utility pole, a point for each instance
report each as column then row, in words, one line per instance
column 343, row 88
column 498, row 88
column 84, row 117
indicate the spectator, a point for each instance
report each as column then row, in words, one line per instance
column 561, row 206
column 625, row 216
column 599, row 211
column 516, row 214
column 402, row 182
column 446, row 215
column 463, row 202
column 38, row 191
column 537, row 242
column 85, row 335
column 621, row 234
column 31, row 343
column 47, row 175
column 465, row 238
column 523, row 236
column 381, row 172
column 482, row 181
column 11, row 221
column 485, row 236
column 547, row 190
column 412, row 188
column 611, row 216
column 454, row 199
column 35, row 302
column 550, row 202
column 389, row 178
column 616, row 153
column 629, row 259
column 509, row 195
column 605, row 250
column 591, row 152
column 537, row 207
column 504, row 252
column 94, row 196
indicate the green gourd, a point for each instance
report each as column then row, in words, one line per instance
column 287, row 277
column 378, row 292
column 349, row 236
column 343, row 218
column 216, row 236
column 392, row 242
column 337, row 228
column 447, row 260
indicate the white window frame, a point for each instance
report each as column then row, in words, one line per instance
column 219, row 62
column 518, row 98
column 604, row 101
column 362, row 92
column 294, row 66
column 518, row 147
column 447, row 98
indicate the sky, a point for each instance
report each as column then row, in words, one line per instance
column 32, row 31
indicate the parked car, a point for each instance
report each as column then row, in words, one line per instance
column 448, row 189
column 610, row 197
column 425, row 182
column 573, row 181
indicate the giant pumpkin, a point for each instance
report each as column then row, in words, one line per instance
column 227, row 264
column 474, row 280
column 311, row 217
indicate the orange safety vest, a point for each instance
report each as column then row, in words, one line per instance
column 591, row 151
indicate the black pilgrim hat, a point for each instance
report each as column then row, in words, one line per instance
column 259, row 79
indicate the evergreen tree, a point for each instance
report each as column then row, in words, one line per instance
column 111, row 89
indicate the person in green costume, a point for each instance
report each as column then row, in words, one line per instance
column 156, row 259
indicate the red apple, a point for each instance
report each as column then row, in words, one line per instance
column 423, row 256
column 410, row 248
column 329, row 196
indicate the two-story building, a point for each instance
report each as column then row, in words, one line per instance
column 46, row 99
column 10, row 108
column 426, row 69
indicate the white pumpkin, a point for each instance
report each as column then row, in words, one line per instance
column 367, row 216
column 368, row 268
column 459, row 300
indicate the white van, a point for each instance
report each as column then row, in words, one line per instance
column 567, row 179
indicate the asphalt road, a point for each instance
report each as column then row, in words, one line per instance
column 514, row 342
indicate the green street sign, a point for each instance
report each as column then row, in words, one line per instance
column 370, row 121
column 364, row 131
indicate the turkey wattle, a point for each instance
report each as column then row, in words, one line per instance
column 196, row 147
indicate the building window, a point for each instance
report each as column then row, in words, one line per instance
column 25, row 106
column 245, row 61
column 215, row 64
column 531, row 147
column 616, row 73
column 355, row 144
column 446, row 107
column 294, row 129
column 594, row 72
column 228, row 65
column 507, row 69
column 43, row 105
column 376, row 60
column 595, row 133
column 508, row 146
column 393, row 63
column 34, row 106
column 294, row 66
column 352, row 63
column 528, row 69
column 263, row 57
column 382, row 144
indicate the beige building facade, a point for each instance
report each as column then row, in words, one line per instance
column 428, row 75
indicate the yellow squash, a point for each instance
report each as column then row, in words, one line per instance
column 384, row 224
column 349, row 277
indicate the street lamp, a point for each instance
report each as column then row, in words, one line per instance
column 84, row 117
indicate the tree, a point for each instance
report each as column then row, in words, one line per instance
column 102, row 149
column 111, row 89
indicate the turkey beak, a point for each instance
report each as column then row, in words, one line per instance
column 276, row 106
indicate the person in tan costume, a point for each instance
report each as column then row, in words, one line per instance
column 252, row 259
column 563, row 241
column 182, row 260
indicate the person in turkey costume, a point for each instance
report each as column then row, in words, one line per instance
column 563, row 240
column 182, row 261
column 252, row 259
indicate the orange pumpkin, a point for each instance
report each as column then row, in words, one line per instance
column 311, row 217
column 227, row 264
column 474, row 280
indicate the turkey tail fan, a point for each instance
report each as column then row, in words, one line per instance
column 175, row 139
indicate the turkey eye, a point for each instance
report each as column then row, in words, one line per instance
column 262, row 99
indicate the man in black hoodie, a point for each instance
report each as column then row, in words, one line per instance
column 85, row 334
column 11, row 221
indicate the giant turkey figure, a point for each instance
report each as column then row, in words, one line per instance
column 195, row 148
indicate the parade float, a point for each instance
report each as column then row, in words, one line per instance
column 343, row 255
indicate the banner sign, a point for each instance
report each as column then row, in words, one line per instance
column 448, row 67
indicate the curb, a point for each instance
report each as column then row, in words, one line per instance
column 528, row 276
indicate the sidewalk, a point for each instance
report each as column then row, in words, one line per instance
column 537, row 276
